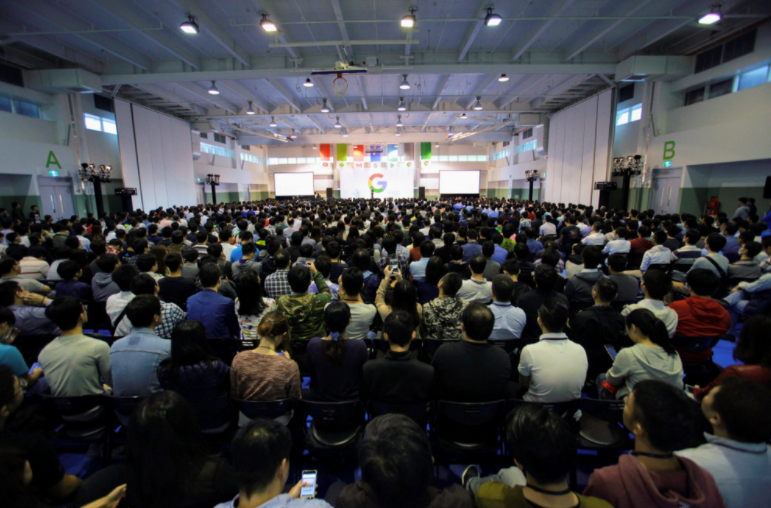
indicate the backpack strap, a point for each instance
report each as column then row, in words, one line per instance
column 723, row 275
column 121, row 316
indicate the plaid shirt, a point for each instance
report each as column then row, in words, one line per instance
column 277, row 284
column 171, row 315
column 385, row 260
column 401, row 249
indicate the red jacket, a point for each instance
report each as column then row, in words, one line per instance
column 700, row 317
column 755, row 373
column 640, row 245
column 630, row 485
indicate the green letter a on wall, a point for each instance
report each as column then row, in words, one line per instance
column 669, row 150
column 52, row 160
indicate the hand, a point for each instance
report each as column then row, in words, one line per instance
column 33, row 299
column 734, row 290
column 112, row 499
column 312, row 267
column 37, row 373
column 388, row 271
column 294, row 492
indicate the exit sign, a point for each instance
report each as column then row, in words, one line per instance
column 52, row 172
column 667, row 164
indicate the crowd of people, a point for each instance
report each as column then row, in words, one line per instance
column 399, row 302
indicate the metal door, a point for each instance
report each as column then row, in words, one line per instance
column 56, row 197
column 665, row 193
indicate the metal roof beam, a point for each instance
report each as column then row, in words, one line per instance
column 205, row 95
column 481, row 88
column 534, row 34
column 213, row 30
column 284, row 92
column 473, row 30
column 172, row 97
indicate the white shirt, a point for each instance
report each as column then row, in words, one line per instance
column 362, row 315
column 741, row 470
column 547, row 228
column 557, row 369
column 658, row 254
column 227, row 249
column 618, row 247
column 594, row 239
column 661, row 311
column 33, row 268
column 116, row 303
column 474, row 290
column 509, row 321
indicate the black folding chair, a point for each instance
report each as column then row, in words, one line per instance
column 77, row 422
column 122, row 407
column 701, row 373
column 264, row 409
column 335, row 428
column 468, row 431
column 419, row 411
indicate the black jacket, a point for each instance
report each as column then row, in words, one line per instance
column 396, row 378
column 530, row 302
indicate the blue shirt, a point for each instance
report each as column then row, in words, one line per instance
column 509, row 321
column 418, row 269
column 470, row 250
column 11, row 357
column 534, row 246
column 134, row 360
column 499, row 256
column 79, row 290
column 236, row 254
column 216, row 312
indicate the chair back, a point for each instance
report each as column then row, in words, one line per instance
column 602, row 424
column 122, row 406
column 225, row 349
column 418, row 411
column 332, row 412
column 264, row 409
column 508, row 345
column 664, row 267
column 472, row 413
column 30, row 346
column 97, row 317
column 694, row 344
column 564, row 409
column 71, row 406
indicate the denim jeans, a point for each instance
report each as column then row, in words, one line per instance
column 736, row 306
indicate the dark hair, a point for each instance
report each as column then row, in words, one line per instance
column 427, row 248
column 7, row 316
column 716, row 242
column 173, row 261
column 651, row 327
column 554, row 315
column 753, row 347
column 477, row 264
column 146, row 262
column 591, row 256
column 397, row 465
column 209, row 274
column 282, row 259
column 488, row 249
column 257, row 451
column 456, row 252
column 143, row 284
column 107, row 262
column 617, row 262
column 299, row 278
column 191, row 256
column 703, row 282
column 435, row 270
column 6, row 265
column 451, row 283
column 248, row 248
column 745, row 408
column 665, row 412
column 659, row 237
column 8, row 292
column 478, row 321
column 511, row 266
column 67, row 270
column 545, row 277
column 142, row 309
column 337, row 317
column 165, row 451
column 542, row 442
column 503, row 287
column 64, row 311
column 123, row 275
column 399, row 325
column 658, row 283
column 352, row 281
column 405, row 298
column 249, row 292
column 189, row 346
column 607, row 289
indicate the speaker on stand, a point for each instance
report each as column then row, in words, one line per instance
column 422, row 192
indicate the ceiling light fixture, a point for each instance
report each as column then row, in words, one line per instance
column 267, row 24
column 345, row 133
column 315, row 147
column 401, row 106
column 714, row 15
column 405, row 85
column 273, row 122
column 250, row 111
column 463, row 116
column 436, row 145
column 398, row 133
column 308, row 83
column 492, row 19
column 503, row 78
column 324, row 107
column 293, row 134
column 337, row 123
column 399, row 122
column 213, row 88
column 190, row 26
column 478, row 105
column 409, row 20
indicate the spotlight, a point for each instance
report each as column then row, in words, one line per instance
column 492, row 19
column 337, row 123
column 324, row 107
column 308, row 83
column 213, row 89
column 293, row 134
column 714, row 15
column 503, row 78
column 315, row 147
column 250, row 111
column 404, row 85
column 190, row 26
column 401, row 107
column 408, row 21
column 273, row 122
column 436, row 145
column 463, row 116
column 399, row 122
column 267, row 24
column 478, row 105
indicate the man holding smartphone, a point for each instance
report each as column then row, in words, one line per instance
column 261, row 452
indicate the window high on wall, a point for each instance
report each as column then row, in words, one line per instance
column 97, row 123
column 628, row 115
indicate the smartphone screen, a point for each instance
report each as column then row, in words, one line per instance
column 395, row 265
column 611, row 351
column 35, row 366
column 309, row 484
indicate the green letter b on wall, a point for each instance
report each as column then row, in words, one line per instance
column 669, row 150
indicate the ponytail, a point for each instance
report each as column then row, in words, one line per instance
column 652, row 327
column 337, row 316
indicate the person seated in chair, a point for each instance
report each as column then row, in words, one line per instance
column 656, row 285
column 700, row 315
column 397, row 378
column 579, row 287
column 656, row 255
column 544, row 450
column 509, row 320
column 628, row 286
column 554, row 369
column 476, row 289
column 746, row 267
column 684, row 257
column 736, row 453
column 545, row 279
column 661, row 417
column 216, row 312
column 9, row 272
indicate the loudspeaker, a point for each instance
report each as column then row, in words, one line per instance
column 767, row 188
column 422, row 192
column 330, row 194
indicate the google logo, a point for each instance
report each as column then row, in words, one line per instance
column 382, row 183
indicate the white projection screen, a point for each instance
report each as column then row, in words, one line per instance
column 293, row 184
column 459, row 182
